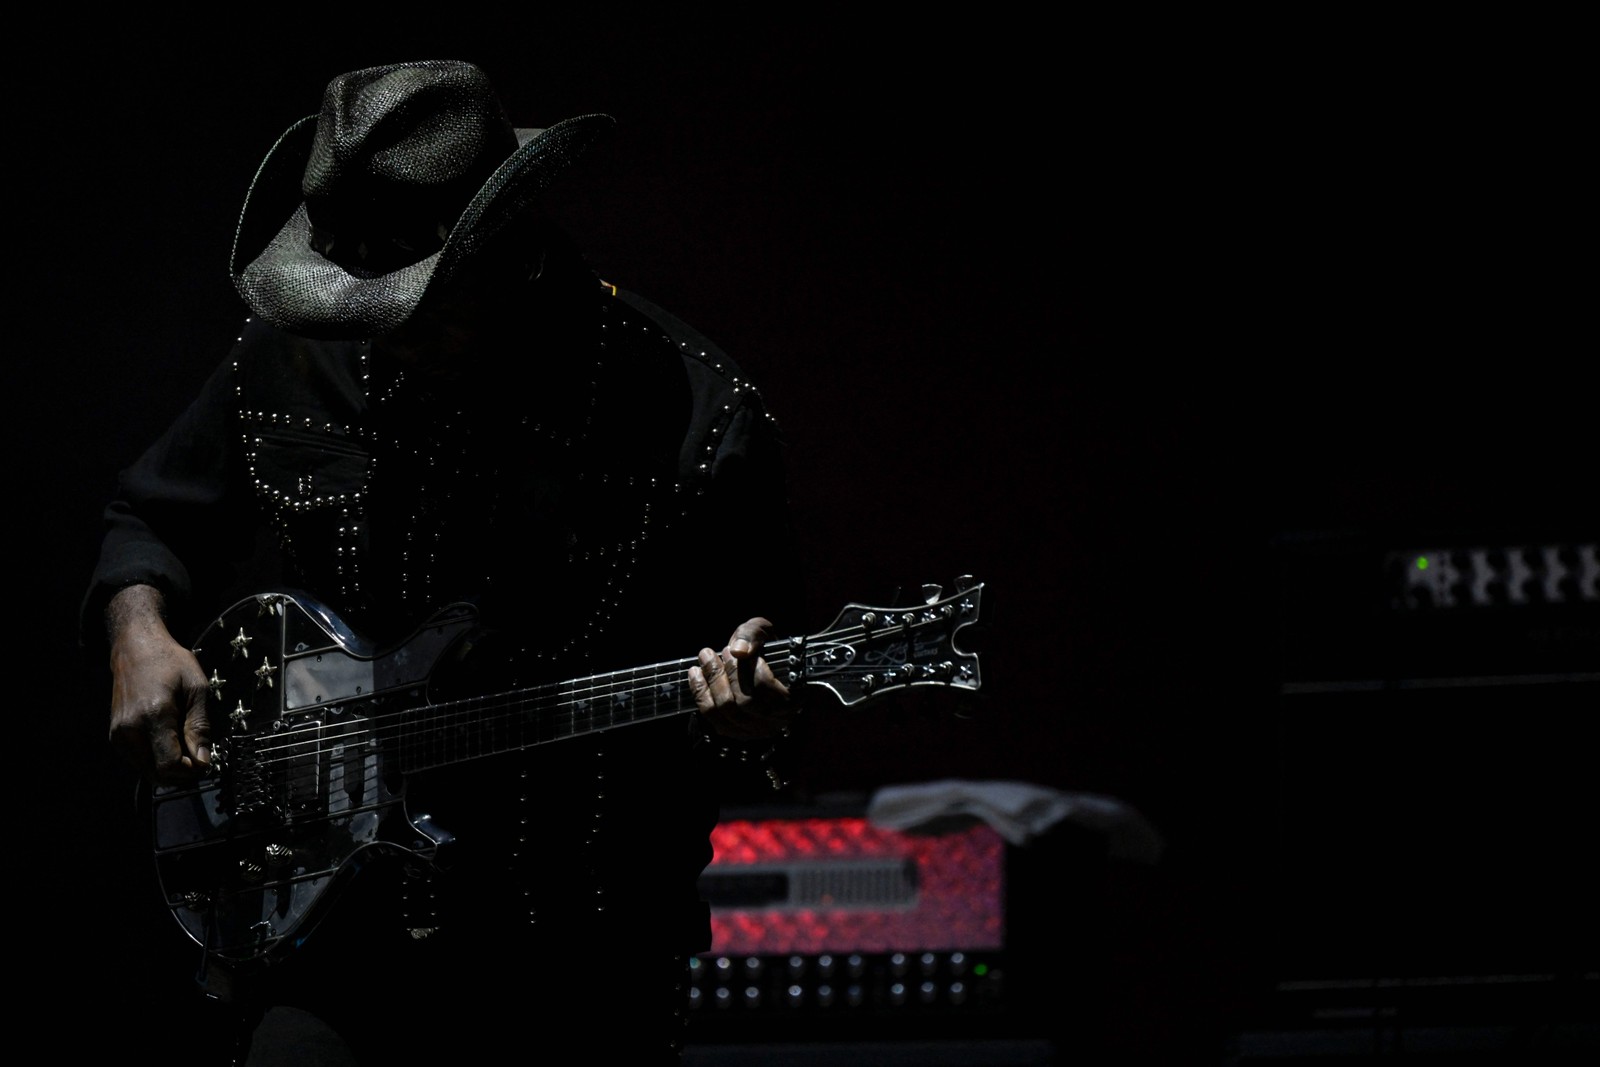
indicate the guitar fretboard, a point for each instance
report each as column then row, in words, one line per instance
column 436, row 735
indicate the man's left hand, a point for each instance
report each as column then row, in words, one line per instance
column 736, row 690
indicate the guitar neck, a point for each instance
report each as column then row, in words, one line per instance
column 437, row 735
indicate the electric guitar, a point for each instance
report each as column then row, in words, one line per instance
column 314, row 733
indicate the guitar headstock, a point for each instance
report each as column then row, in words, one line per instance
column 868, row 651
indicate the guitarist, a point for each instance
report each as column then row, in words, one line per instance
column 434, row 401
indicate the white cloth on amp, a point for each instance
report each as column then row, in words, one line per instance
column 1018, row 811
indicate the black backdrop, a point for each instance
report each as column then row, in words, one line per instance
column 1091, row 315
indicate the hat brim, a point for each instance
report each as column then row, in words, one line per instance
column 289, row 283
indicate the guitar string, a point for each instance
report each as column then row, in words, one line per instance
column 561, row 718
column 562, row 709
column 564, row 704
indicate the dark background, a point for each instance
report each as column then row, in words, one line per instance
column 1164, row 333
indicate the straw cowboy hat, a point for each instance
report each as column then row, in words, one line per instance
column 404, row 174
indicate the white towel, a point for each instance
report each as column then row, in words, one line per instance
column 1019, row 811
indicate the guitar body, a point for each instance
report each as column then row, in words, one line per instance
column 308, row 788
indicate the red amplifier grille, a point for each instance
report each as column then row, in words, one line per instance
column 841, row 885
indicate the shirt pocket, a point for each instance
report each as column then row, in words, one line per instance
column 301, row 472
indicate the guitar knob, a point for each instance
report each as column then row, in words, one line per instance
column 932, row 592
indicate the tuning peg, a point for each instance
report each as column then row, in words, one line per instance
column 931, row 592
column 965, row 582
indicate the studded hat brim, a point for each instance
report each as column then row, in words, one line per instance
column 289, row 283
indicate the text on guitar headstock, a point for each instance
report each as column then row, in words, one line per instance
column 867, row 651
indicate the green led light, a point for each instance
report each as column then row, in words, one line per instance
column 981, row 969
column 1422, row 563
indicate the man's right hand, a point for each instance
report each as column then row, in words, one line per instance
column 159, row 719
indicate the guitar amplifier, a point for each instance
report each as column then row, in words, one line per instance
column 832, row 916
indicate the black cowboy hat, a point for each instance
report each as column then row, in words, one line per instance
column 408, row 171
